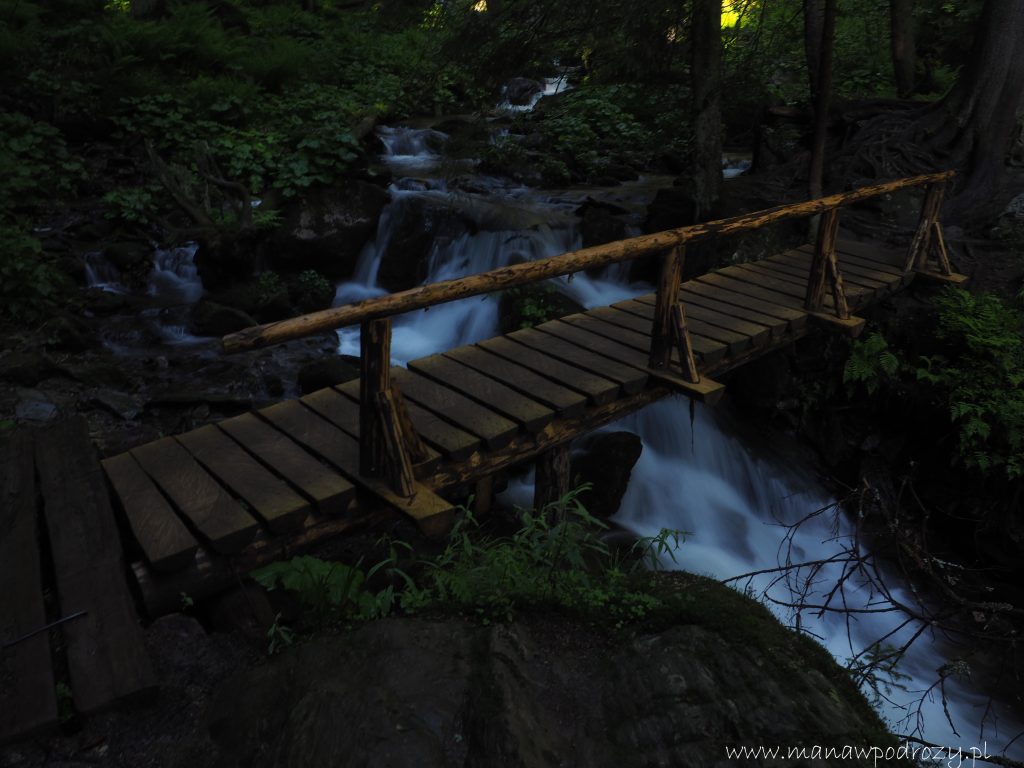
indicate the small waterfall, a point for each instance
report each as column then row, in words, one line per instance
column 175, row 276
column 551, row 86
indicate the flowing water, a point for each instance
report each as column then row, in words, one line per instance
column 707, row 477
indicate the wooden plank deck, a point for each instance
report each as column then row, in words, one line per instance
column 478, row 408
column 65, row 581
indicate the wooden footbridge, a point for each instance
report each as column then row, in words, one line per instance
column 201, row 509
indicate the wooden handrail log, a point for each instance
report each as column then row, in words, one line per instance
column 555, row 266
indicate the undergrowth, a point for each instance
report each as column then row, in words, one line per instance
column 555, row 560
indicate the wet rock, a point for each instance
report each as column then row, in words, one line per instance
column 133, row 259
column 212, row 319
column 245, row 611
column 120, row 404
column 327, row 228
column 100, row 302
column 520, row 91
column 100, row 373
column 328, row 372
column 606, row 463
column 69, row 334
column 33, row 410
column 411, row 692
column 27, row 368
column 601, row 223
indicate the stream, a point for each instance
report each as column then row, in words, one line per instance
column 732, row 490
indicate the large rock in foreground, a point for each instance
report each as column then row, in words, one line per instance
column 546, row 691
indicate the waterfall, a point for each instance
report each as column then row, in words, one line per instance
column 707, row 477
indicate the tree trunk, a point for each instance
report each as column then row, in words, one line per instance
column 815, row 176
column 706, row 80
column 814, row 25
column 973, row 126
column 904, row 54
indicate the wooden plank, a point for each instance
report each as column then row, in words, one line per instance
column 722, row 327
column 431, row 512
column 851, row 277
column 344, row 413
column 616, row 351
column 778, row 280
column 451, row 441
column 562, row 399
column 876, row 252
column 631, row 379
column 796, row 318
column 163, row 538
column 776, row 327
column 329, row 491
column 106, row 653
column 711, row 342
column 493, row 428
column 28, row 700
column 527, row 412
column 851, row 265
column 598, row 389
column 747, row 287
column 640, row 320
column 274, row 502
column 201, row 499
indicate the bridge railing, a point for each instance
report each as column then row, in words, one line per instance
column 385, row 430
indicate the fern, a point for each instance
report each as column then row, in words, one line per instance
column 871, row 363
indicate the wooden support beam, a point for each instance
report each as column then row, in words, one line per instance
column 825, row 265
column 374, row 380
column 666, row 299
column 851, row 326
column 706, row 390
column 917, row 255
column 397, row 467
column 681, row 332
column 483, row 496
column 553, row 476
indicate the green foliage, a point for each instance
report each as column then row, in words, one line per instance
column 132, row 205
column 555, row 560
column 28, row 281
column 35, row 163
column 980, row 378
column 311, row 291
column 329, row 590
column 871, row 362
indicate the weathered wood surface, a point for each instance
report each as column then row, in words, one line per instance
column 107, row 658
column 28, row 701
column 556, row 266
column 163, row 538
column 277, row 505
column 554, row 476
column 205, row 503
column 330, row 492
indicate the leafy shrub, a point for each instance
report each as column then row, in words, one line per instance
column 311, row 291
column 980, row 379
column 329, row 590
column 870, row 363
column 35, row 161
column 27, row 280
column 556, row 559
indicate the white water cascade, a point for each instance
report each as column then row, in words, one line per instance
column 704, row 478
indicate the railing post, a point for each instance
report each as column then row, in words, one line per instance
column 825, row 266
column 662, row 330
column 374, row 380
column 929, row 233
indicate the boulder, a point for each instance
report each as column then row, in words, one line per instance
column 328, row 372
column 519, row 91
column 606, row 463
column 601, row 223
column 212, row 319
column 133, row 259
column 545, row 691
column 326, row 229
column 27, row 367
